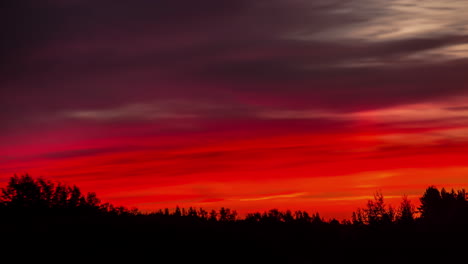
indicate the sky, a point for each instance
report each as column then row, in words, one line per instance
column 251, row 105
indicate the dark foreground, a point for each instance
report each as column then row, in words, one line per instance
column 35, row 213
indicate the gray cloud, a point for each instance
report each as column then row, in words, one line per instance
column 84, row 56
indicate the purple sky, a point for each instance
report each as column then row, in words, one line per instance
column 61, row 58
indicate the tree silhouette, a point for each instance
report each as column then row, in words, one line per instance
column 376, row 213
column 213, row 215
column 406, row 212
column 444, row 208
column 203, row 214
column 26, row 203
column 431, row 203
column 316, row 219
column 27, row 195
column 226, row 215
column 358, row 217
column 288, row 216
column 22, row 192
column 232, row 215
column 302, row 217
column 253, row 217
column 177, row 211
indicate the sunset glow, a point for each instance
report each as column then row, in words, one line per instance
column 250, row 105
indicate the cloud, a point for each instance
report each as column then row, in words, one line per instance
column 128, row 112
column 446, row 53
column 414, row 113
column 298, row 114
column 163, row 109
column 86, row 152
column 449, row 113
column 269, row 197
column 110, row 60
column 242, row 66
column 382, row 20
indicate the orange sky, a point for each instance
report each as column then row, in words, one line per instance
column 330, row 172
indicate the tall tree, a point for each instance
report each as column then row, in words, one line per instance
column 406, row 211
column 431, row 205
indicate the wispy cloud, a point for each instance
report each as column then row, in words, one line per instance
column 298, row 114
column 411, row 113
column 130, row 112
column 278, row 196
column 355, row 198
column 384, row 20
column 403, row 113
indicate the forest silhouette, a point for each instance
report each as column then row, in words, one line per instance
column 37, row 206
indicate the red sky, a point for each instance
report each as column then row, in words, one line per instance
column 250, row 105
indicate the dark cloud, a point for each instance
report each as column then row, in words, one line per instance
column 88, row 152
column 338, row 55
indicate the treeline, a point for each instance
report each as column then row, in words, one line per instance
column 27, row 195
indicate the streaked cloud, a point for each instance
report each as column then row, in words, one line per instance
column 412, row 113
column 269, row 197
column 454, row 113
column 442, row 54
column 129, row 112
column 297, row 114
column 397, row 19
column 360, row 198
